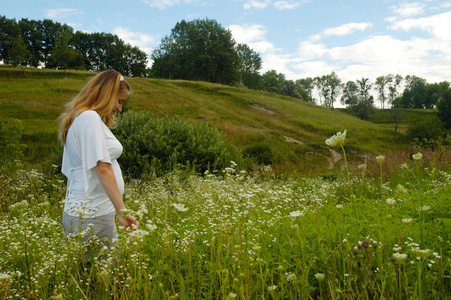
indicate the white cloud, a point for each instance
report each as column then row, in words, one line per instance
column 256, row 4
column 438, row 25
column 248, row 32
column 284, row 5
column 61, row 13
column 409, row 9
column 253, row 35
column 162, row 4
column 141, row 40
column 280, row 5
column 346, row 29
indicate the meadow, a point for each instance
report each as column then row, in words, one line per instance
column 236, row 235
column 374, row 224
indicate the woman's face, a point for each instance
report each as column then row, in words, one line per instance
column 120, row 101
column 118, row 105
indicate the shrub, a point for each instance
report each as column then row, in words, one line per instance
column 426, row 129
column 260, row 152
column 158, row 145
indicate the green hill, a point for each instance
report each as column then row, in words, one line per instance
column 292, row 131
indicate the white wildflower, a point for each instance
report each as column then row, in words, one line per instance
column 272, row 288
column 125, row 212
column 336, row 140
column 424, row 208
column 380, row 159
column 399, row 257
column 180, row 207
column 407, row 221
column 320, row 276
column 391, row 202
column 295, row 214
column 418, row 156
column 4, row 277
column 290, row 277
column 400, row 189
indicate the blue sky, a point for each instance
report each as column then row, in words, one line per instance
column 299, row 38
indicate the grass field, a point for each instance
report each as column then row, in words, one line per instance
column 294, row 130
column 376, row 225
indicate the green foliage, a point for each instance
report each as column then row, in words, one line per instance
column 260, row 152
column 198, row 50
column 444, row 109
column 18, row 54
column 32, row 42
column 157, row 145
column 11, row 149
column 426, row 129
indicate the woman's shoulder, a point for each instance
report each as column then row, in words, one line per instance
column 89, row 115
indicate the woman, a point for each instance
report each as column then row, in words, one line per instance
column 95, row 184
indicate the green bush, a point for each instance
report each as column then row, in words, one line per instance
column 158, row 145
column 426, row 129
column 260, row 152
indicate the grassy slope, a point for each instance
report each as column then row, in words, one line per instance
column 37, row 97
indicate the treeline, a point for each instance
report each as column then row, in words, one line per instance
column 203, row 50
column 54, row 45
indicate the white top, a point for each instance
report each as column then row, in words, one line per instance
column 88, row 141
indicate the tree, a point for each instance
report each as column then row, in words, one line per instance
column 444, row 109
column 18, row 54
column 9, row 30
column 380, row 87
column 273, row 82
column 393, row 82
column 50, row 32
column 414, row 94
column 350, row 94
column 63, row 55
column 306, row 86
column 321, row 87
column 198, row 50
column 31, row 32
column 250, row 64
column 364, row 88
column 434, row 93
column 289, row 89
column 333, row 84
column 356, row 96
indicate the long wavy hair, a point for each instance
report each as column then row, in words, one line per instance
column 100, row 94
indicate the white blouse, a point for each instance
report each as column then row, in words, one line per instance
column 88, row 141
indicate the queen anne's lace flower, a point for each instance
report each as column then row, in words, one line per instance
column 180, row 207
column 418, row 156
column 336, row 140
column 380, row 159
column 320, row 276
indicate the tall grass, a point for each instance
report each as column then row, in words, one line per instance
column 240, row 236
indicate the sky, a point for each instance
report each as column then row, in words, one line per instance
column 298, row 38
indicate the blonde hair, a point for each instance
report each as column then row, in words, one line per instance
column 100, row 95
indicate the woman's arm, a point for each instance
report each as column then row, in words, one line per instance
column 108, row 180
